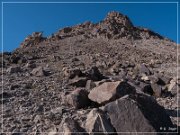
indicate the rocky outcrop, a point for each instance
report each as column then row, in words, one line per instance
column 33, row 39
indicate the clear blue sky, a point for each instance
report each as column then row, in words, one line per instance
column 20, row 20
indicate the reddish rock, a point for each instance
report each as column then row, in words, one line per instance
column 110, row 91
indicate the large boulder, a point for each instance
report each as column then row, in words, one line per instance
column 97, row 122
column 110, row 91
column 139, row 113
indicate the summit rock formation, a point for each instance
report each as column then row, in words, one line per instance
column 108, row 78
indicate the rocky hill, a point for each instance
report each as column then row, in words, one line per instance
column 108, row 78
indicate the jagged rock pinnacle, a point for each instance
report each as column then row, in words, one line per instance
column 118, row 18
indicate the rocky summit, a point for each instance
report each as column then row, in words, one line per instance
column 106, row 78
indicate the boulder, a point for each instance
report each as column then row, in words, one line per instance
column 139, row 113
column 110, row 91
column 97, row 122
column 78, row 99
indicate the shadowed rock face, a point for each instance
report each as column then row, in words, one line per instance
column 106, row 77
column 139, row 113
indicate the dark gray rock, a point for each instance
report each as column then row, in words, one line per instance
column 11, row 70
column 78, row 99
column 137, row 114
column 78, row 82
column 67, row 30
column 94, row 74
column 75, row 73
column 163, row 80
column 5, row 94
column 146, row 88
column 97, row 122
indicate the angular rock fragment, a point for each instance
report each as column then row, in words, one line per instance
column 70, row 127
column 137, row 114
column 30, row 65
column 110, row 91
column 33, row 39
column 97, row 122
column 78, row 82
column 39, row 71
column 173, row 87
column 94, row 74
column 74, row 73
column 144, row 70
column 90, row 84
column 153, row 78
column 163, row 80
column 78, row 99
column 157, row 89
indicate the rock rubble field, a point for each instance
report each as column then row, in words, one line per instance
column 105, row 78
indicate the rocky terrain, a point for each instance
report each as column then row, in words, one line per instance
column 106, row 78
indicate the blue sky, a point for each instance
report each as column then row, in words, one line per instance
column 20, row 20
